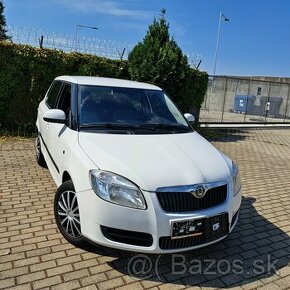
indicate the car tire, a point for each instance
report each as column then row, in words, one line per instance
column 38, row 153
column 67, row 215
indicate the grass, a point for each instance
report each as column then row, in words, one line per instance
column 7, row 138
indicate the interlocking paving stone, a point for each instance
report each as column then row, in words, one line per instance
column 34, row 255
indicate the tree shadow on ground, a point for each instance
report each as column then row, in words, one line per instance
column 256, row 249
column 224, row 135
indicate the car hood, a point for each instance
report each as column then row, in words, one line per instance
column 153, row 161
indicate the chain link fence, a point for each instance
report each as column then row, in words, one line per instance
column 245, row 100
column 65, row 42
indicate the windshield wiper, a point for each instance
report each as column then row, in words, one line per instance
column 146, row 126
column 170, row 127
column 117, row 126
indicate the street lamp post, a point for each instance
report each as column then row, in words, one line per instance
column 221, row 18
column 82, row 26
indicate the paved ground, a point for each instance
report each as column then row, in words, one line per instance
column 33, row 254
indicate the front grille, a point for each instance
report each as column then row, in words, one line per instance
column 185, row 201
column 167, row 243
column 127, row 237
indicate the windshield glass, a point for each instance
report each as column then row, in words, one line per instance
column 127, row 107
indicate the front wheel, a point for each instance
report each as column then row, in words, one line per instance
column 67, row 215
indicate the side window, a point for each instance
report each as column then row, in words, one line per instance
column 64, row 102
column 52, row 94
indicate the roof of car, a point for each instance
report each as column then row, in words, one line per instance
column 98, row 81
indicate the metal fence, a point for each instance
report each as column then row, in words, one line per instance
column 81, row 43
column 66, row 42
column 245, row 100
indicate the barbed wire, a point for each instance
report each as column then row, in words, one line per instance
column 194, row 60
column 84, row 44
column 68, row 43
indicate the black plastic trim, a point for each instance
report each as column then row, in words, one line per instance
column 127, row 237
column 53, row 162
column 57, row 121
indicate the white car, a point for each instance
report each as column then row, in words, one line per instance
column 131, row 172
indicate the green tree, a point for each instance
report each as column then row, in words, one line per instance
column 3, row 31
column 160, row 61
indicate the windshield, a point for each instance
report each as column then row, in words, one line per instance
column 116, row 107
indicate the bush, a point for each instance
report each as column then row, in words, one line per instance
column 26, row 73
column 196, row 89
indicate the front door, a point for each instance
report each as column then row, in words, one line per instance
column 57, row 132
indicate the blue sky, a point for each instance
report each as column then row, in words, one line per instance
column 256, row 41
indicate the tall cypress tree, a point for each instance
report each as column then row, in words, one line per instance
column 160, row 61
column 3, row 31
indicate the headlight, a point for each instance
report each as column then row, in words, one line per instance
column 116, row 189
column 237, row 184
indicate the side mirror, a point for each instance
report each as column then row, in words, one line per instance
column 189, row 117
column 54, row 116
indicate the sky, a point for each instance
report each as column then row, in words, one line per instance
column 255, row 41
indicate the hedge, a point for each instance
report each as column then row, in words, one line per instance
column 26, row 73
column 196, row 90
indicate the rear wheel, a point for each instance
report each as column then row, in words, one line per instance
column 38, row 153
column 67, row 216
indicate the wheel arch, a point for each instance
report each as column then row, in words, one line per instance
column 66, row 177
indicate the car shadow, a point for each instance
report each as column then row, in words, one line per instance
column 256, row 249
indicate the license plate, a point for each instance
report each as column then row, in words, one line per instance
column 208, row 227
column 187, row 228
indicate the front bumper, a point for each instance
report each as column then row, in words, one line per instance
column 95, row 213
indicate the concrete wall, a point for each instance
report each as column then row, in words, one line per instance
column 222, row 91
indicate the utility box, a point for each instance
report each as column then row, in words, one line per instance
column 244, row 103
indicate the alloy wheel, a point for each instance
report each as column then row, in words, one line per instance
column 68, row 213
